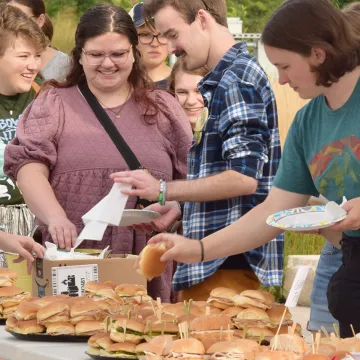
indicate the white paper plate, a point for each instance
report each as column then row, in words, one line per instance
column 136, row 216
column 303, row 219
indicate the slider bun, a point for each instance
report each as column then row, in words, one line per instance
column 11, row 322
column 93, row 286
column 48, row 299
column 233, row 346
column 9, row 311
column 326, row 349
column 83, row 307
column 26, row 310
column 7, row 277
column 109, row 294
column 217, row 303
column 223, row 292
column 89, row 327
column 178, row 310
column 121, row 337
column 291, row 343
column 104, row 342
column 262, row 296
column 77, row 319
column 93, row 340
column 164, row 317
column 253, row 313
column 54, row 308
column 10, row 291
column 277, row 355
column 130, row 324
column 276, row 312
column 150, row 265
column 211, row 322
column 258, row 332
column 232, row 311
column 160, row 345
column 130, row 290
column 189, row 346
column 158, row 327
column 60, row 328
column 123, row 346
column 28, row 327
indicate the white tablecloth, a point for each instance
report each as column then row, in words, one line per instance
column 14, row 349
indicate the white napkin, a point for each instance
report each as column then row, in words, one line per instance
column 107, row 211
column 52, row 253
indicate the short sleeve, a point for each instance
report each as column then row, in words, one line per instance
column 293, row 174
column 37, row 134
column 176, row 129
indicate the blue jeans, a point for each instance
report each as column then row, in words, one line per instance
column 329, row 263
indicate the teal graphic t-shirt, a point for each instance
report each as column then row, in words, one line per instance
column 322, row 151
column 11, row 107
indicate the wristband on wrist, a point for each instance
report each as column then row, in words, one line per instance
column 202, row 251
column 162, row 194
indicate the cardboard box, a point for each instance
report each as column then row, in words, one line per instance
column 53, row 277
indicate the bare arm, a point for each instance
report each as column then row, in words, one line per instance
column 225, row 185
column 247, row 233
column 33, row 182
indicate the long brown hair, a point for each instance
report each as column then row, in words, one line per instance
column 100, row 20
column 180, row 66
column 301, row 25
column 352, row 13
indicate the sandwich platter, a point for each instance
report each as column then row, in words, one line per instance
column 137, row 216
column 101, row 357
column 50, row 338
column 304, row 218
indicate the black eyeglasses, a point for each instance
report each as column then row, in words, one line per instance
column 146, row 38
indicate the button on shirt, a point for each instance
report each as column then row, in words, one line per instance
column 241, row 134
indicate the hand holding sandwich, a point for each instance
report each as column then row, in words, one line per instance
column 23, row 245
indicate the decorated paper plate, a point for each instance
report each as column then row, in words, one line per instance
column 52, row 338
column 136, row 216
column 303, row 218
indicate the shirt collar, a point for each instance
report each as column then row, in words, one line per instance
column 213, row 78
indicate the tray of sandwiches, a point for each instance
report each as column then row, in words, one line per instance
column 10, row 295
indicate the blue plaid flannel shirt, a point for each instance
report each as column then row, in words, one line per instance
column 241, row 134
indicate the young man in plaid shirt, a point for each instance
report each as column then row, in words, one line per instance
column 235, row 153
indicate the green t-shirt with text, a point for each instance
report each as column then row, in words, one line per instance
column 322, row 151
column 11, row 107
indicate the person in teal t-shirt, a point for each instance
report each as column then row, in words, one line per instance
column 22, row 43
column 316, row 52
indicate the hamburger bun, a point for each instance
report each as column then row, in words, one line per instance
column 257, row 332
column 104, row 342
column 129, row 290
column 106, row 294
column 28, row 327
column 253, row 317
column 56, row 308
column 254, row 298
column 275, row 315
column 211, row 322
column 160, row 345
column 84, row 307
column 291, row 343
column 10, row 323
column 91, row 287
column 150, row 265
column 60, row 328
column 89, row 327
column 26, row 310
column 93, row 340
column 326, row 349
column 233, row 347
column 221, row 297
column 187, row 346
column 9, row 311
column 7, row 277
column 124, row 350
column 232, row 311
column 277, row 355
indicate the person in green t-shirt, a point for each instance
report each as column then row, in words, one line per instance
column 21, row 46
column 316, row 53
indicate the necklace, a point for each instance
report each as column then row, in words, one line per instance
column 117, row 114
column 12, row 101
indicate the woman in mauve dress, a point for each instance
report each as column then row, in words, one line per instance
column 62, row 157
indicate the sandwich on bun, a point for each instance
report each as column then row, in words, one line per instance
column 127, row 330
column 292, row 343
column 150, row 265
column 254, row 298
column 221, row 297
column 54, row 312
column 28, row 327
column 60, row 328
column 158, row 348
column 132, row 293
column 88, row 327
column 26, row 310
column 7, row 277
column 252, row 317
column 187, row 349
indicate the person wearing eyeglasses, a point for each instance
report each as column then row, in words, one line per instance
column 153, row 48
column 62, row 157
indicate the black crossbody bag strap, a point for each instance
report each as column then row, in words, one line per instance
column 110, row 128
column 114, row 134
